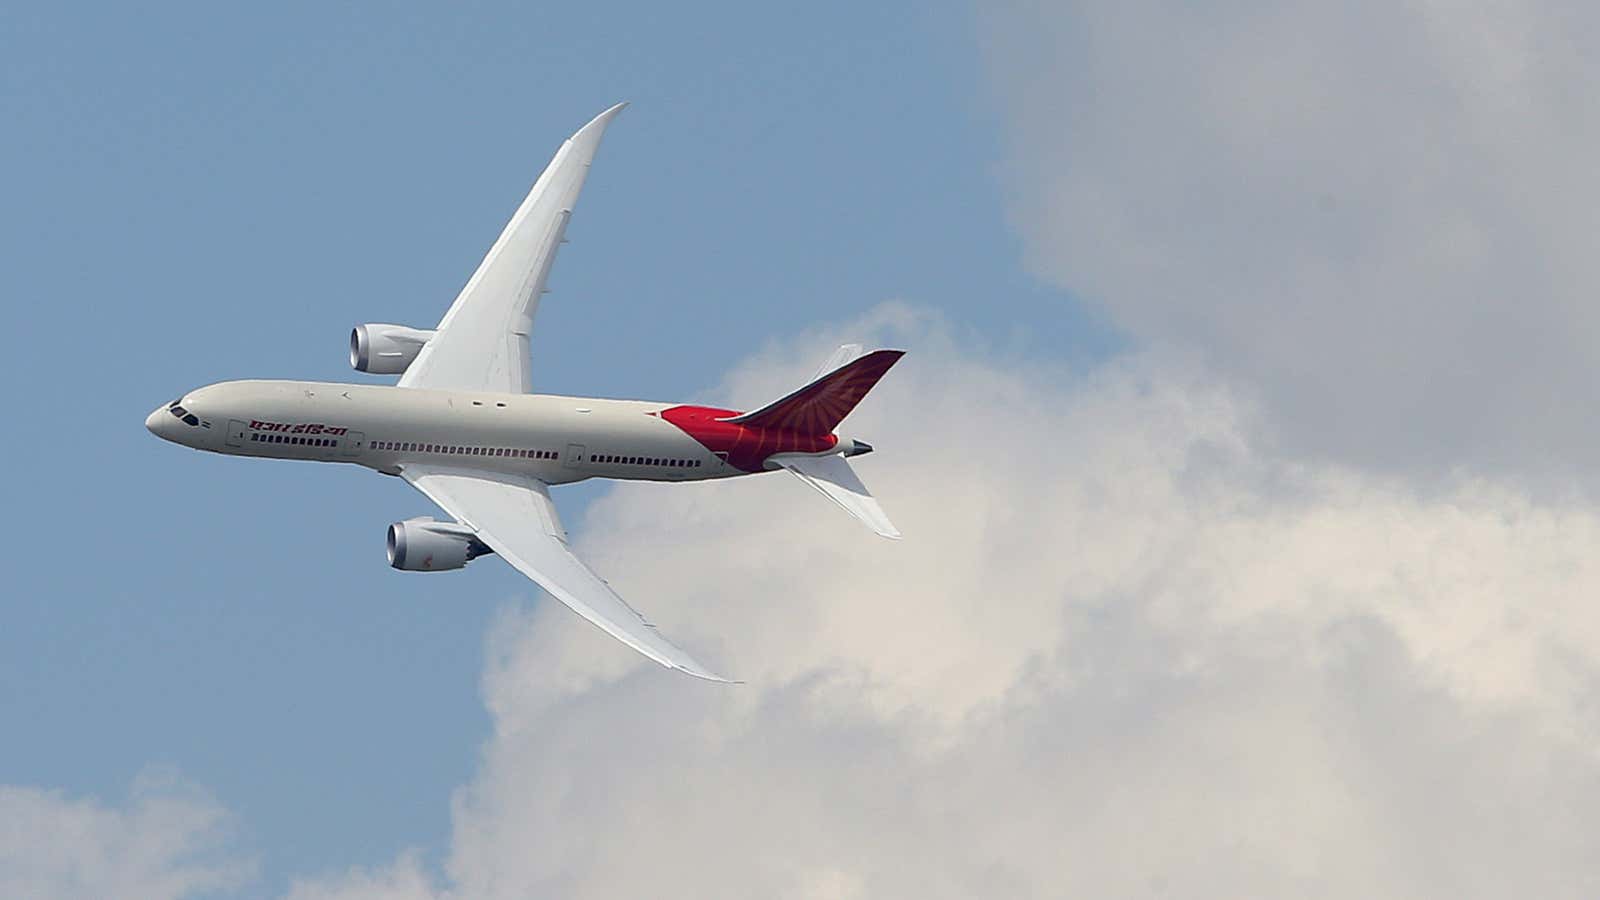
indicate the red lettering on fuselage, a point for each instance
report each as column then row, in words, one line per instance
column 747, row 448
column 297, row 427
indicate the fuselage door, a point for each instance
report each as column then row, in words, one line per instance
column 574, row 455
column 237, row 433
column 352, row 443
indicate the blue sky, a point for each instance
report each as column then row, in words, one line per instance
column 195, row 194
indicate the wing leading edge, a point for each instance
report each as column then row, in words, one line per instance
column 516, row 518
column 482, row 342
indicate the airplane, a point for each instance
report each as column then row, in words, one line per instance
column 462, row 425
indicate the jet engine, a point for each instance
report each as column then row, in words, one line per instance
column 382, row 349
column 425, row 545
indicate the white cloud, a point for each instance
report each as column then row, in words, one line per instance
column 1380, row 216
column 170, row 841
column 1122, row 651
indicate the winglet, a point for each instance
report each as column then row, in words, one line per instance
column 707, row 675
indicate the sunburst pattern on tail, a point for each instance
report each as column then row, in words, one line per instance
column 820, row 406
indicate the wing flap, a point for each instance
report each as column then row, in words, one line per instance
column 515, row 517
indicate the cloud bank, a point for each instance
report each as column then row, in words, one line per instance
column 1122, row 651
column 1380, row 216
column 172, row 840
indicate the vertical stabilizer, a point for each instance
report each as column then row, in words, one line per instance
column 818, row 407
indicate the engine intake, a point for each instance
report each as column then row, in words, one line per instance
column 383, row 349
column 425, row 545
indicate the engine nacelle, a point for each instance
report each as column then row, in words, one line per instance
column 424, row 545
column 383, row 349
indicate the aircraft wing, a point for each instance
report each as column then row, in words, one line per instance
column 515, row 517
column 481, row 344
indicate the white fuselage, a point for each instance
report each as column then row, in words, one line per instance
column 552, row 438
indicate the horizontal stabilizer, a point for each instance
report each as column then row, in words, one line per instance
column 847, row 353
column 833, row 477
column 820, row 406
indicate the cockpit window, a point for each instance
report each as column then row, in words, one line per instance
column 191, row 419
column 176, row 410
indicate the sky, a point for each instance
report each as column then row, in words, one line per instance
column 1240, row 451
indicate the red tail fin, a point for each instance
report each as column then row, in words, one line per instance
column 818, row 407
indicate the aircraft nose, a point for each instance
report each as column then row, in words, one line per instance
column 157, row 421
